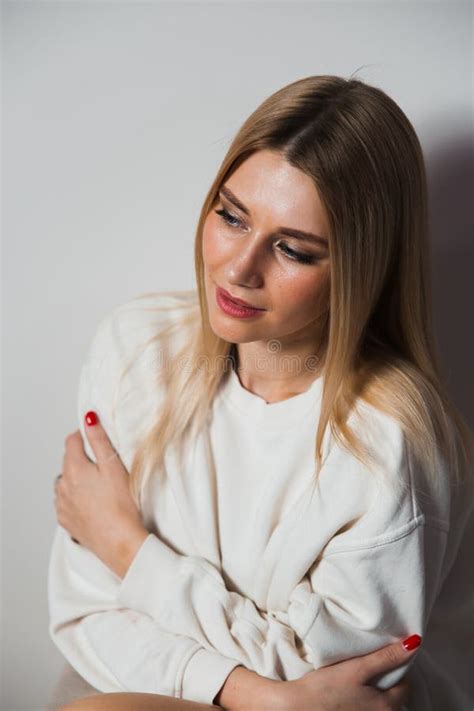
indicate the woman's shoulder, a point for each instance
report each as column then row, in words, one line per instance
column 397, row 491
column 131, row 323
column 382, row 439
column 120, row 374
column 149, row 310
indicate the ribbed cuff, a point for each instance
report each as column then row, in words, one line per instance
column 205, row 675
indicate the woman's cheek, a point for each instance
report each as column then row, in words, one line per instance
column 213, row 246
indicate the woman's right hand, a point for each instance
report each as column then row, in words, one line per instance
column 345, row 686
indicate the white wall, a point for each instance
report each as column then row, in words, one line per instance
column 115, row 119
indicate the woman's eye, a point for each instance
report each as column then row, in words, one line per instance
column 298, row 256
column 290, row 253
column 227, row 217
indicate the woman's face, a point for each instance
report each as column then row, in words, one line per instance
column 246, row 253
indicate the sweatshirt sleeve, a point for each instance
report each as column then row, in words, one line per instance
column 115, row 648
column 357, row 600
column 111, row 646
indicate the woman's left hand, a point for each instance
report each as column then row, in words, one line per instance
column 93, row 501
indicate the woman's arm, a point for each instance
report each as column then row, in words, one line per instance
column 339, row 606
column 333, row 689
column 119, row 649
column 339, row 687
column 349, row 603
column 136, row 634
column 110, row 645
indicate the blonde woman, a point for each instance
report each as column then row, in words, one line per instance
column 261, row 495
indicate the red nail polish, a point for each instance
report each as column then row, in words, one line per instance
column 91, row 418
column 412, row 642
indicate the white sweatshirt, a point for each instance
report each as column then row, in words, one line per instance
column 242, row 565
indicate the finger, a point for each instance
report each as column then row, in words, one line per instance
column 73, row 448
column 102, row 447
column 385, row 659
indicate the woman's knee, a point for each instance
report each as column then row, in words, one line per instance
column 124, row 701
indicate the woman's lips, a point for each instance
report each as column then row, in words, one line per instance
column 239, row 302
column 232, row 308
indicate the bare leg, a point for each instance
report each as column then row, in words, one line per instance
column 124, row 701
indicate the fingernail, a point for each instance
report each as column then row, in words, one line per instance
column 412, row 642
column 91, row 418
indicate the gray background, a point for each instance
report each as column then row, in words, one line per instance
column 115, row 119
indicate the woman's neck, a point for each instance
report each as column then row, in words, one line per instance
column 273, row 383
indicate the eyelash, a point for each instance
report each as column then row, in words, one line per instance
column 290, row 253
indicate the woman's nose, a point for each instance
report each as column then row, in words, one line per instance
column 247, row 265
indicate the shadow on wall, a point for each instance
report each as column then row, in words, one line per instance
column 450, row 168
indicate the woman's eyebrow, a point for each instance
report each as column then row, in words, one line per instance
column 290, row 232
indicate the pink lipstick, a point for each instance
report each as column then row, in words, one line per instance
column 234, row 309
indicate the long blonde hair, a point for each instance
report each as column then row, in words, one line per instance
column 367, row 164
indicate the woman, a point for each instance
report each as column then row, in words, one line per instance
column 273, row 489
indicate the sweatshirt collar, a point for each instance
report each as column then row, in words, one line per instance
column 284, row 413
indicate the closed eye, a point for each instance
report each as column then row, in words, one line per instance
column 290, row 253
